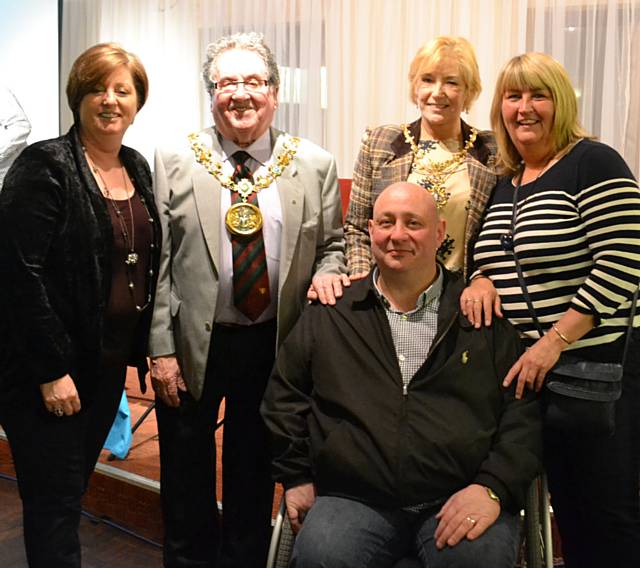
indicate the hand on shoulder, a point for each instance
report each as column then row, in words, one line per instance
column 479, row 301
column 327, row 288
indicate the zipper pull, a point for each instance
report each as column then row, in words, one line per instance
column 404, row 389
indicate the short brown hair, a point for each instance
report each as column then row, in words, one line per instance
column 535, row 71
column 97, row 63
column 460, row 51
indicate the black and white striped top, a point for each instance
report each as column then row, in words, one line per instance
column 577, row 236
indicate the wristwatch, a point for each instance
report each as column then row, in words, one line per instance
column 492, row 495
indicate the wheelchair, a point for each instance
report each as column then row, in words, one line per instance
column 536, row 543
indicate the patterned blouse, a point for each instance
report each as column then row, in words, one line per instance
column 454, row 212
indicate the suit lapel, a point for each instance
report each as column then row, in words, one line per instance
column 398, row 167
column 206, row 190
column 291, row 191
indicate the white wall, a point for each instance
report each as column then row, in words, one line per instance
column 29, row 60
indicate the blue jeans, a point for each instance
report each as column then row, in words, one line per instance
column 341, row 533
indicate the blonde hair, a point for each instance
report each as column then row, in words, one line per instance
column 536, row 71
column 456, row 49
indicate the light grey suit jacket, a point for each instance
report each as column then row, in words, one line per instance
column 188, row 200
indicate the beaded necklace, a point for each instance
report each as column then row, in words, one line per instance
column 132, row 256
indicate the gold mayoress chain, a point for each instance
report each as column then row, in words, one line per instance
column 244, row 218
column 434, row 175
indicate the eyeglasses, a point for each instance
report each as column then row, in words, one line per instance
column 506, row 242
column 250, row 85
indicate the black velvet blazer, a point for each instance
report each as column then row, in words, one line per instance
column 55, row 265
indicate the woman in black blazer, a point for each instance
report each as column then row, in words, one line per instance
column 79, row 244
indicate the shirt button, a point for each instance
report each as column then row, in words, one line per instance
column 404, row 317
column 401, row 357
column 207, row 326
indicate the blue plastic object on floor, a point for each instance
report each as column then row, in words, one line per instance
column 119, row 438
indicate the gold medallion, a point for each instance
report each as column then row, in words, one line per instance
column 243, row 219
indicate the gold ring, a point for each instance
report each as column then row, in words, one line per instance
column 472, row 521
column 477, row 301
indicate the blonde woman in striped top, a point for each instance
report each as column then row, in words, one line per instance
column 577, row 235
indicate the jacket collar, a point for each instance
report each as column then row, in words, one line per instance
column 363, row 288
column 364, row 294
column 450, row 299
column 399, row 145
column 89, row 182
column 480, row 151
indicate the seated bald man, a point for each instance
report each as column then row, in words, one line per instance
column 391, row 432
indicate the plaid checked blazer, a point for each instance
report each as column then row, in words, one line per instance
column 385, row 158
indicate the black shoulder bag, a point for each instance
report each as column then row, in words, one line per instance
column 580, row 394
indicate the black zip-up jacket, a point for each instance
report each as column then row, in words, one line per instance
column 338, row 416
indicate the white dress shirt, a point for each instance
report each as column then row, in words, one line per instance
column 14, row 130
column 271, row 209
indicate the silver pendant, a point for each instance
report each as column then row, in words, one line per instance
column 132, row 258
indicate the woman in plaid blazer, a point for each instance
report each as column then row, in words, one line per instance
column 439, row 151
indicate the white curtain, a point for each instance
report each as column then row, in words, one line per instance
column 344, row 63
column 165, row 35
column 294, row 31
column 373, row 43
column 597, row 41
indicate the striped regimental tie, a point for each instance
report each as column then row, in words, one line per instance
column 250, row 277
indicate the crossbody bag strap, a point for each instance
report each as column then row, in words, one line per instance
column 527, row 296
column 632, row 314
column 521, row 280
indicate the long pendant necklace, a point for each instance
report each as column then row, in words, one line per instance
column 238, row 214
column 433, row 175
column 132, row 257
